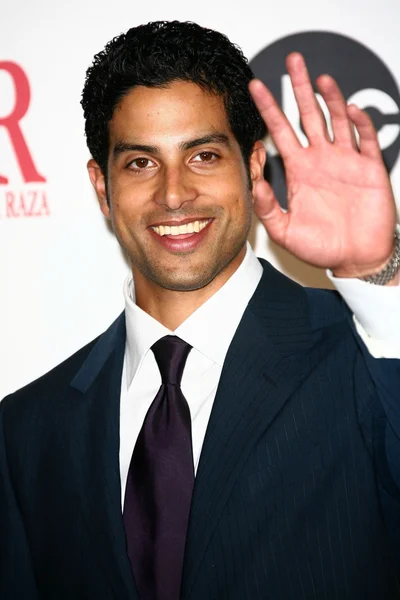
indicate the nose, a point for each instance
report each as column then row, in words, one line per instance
column 175, row 188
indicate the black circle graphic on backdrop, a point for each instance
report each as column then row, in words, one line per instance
column 362, row 76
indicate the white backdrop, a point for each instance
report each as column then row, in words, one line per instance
column 61, row 271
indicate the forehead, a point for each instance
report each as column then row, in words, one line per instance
column 179, row 111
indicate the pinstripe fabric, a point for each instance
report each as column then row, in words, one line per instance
column 297, row 490
column 303, row 519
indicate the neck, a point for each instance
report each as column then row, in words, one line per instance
column 171, row 307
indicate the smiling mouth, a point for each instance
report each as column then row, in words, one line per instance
column 192, row 227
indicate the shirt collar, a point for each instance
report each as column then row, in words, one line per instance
column 209, row 329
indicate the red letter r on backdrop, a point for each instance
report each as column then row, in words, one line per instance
column 11, row 123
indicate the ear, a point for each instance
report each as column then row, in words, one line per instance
column 258, row 158
column 99, row 183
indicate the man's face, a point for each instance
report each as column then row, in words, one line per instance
column 180, row 202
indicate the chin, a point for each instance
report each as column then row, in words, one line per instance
column 187, row 284
column 190, row 273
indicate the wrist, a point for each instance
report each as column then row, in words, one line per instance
column 385, row 273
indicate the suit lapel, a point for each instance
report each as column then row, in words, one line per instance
column 98, row 385
column 265, row 363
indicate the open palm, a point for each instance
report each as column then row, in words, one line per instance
column 341, row 211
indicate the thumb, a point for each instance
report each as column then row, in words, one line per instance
column 268, row 210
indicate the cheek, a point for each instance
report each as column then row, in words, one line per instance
column 124, row 217
column 236, row 200
column 127, row 205
column 233, row 189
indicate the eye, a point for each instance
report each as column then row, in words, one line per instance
column 141, row 163
column 205, row 156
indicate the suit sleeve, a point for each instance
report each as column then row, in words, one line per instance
column 376, row 319
column 373, row 313
column 385, row 374
column 383, row 432
column 17, row 579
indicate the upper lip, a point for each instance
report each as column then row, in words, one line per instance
column 182, row 222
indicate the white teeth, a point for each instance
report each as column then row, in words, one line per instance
column 192, row 227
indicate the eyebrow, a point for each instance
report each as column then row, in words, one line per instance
column 212, row 138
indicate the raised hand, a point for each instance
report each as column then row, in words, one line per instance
column 341, row 211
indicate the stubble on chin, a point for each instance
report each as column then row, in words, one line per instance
column 189, row 273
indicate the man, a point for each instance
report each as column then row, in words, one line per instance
column 232, row 435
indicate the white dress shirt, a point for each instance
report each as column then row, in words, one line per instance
column 209, row 330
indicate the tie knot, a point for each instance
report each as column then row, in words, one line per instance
column 171, row 353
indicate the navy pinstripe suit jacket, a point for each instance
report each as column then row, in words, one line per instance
column 297, row 494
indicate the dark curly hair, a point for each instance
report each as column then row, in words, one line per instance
column 157, row 54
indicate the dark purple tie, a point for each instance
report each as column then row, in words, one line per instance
column 160, row 482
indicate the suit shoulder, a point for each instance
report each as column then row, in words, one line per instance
column 326, row 307
column 320, row 308
column 52, row 381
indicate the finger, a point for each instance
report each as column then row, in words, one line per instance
column 342, row 127
column 268, row 210
column 278, row 125
column 368, row 143
column 311, row 114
